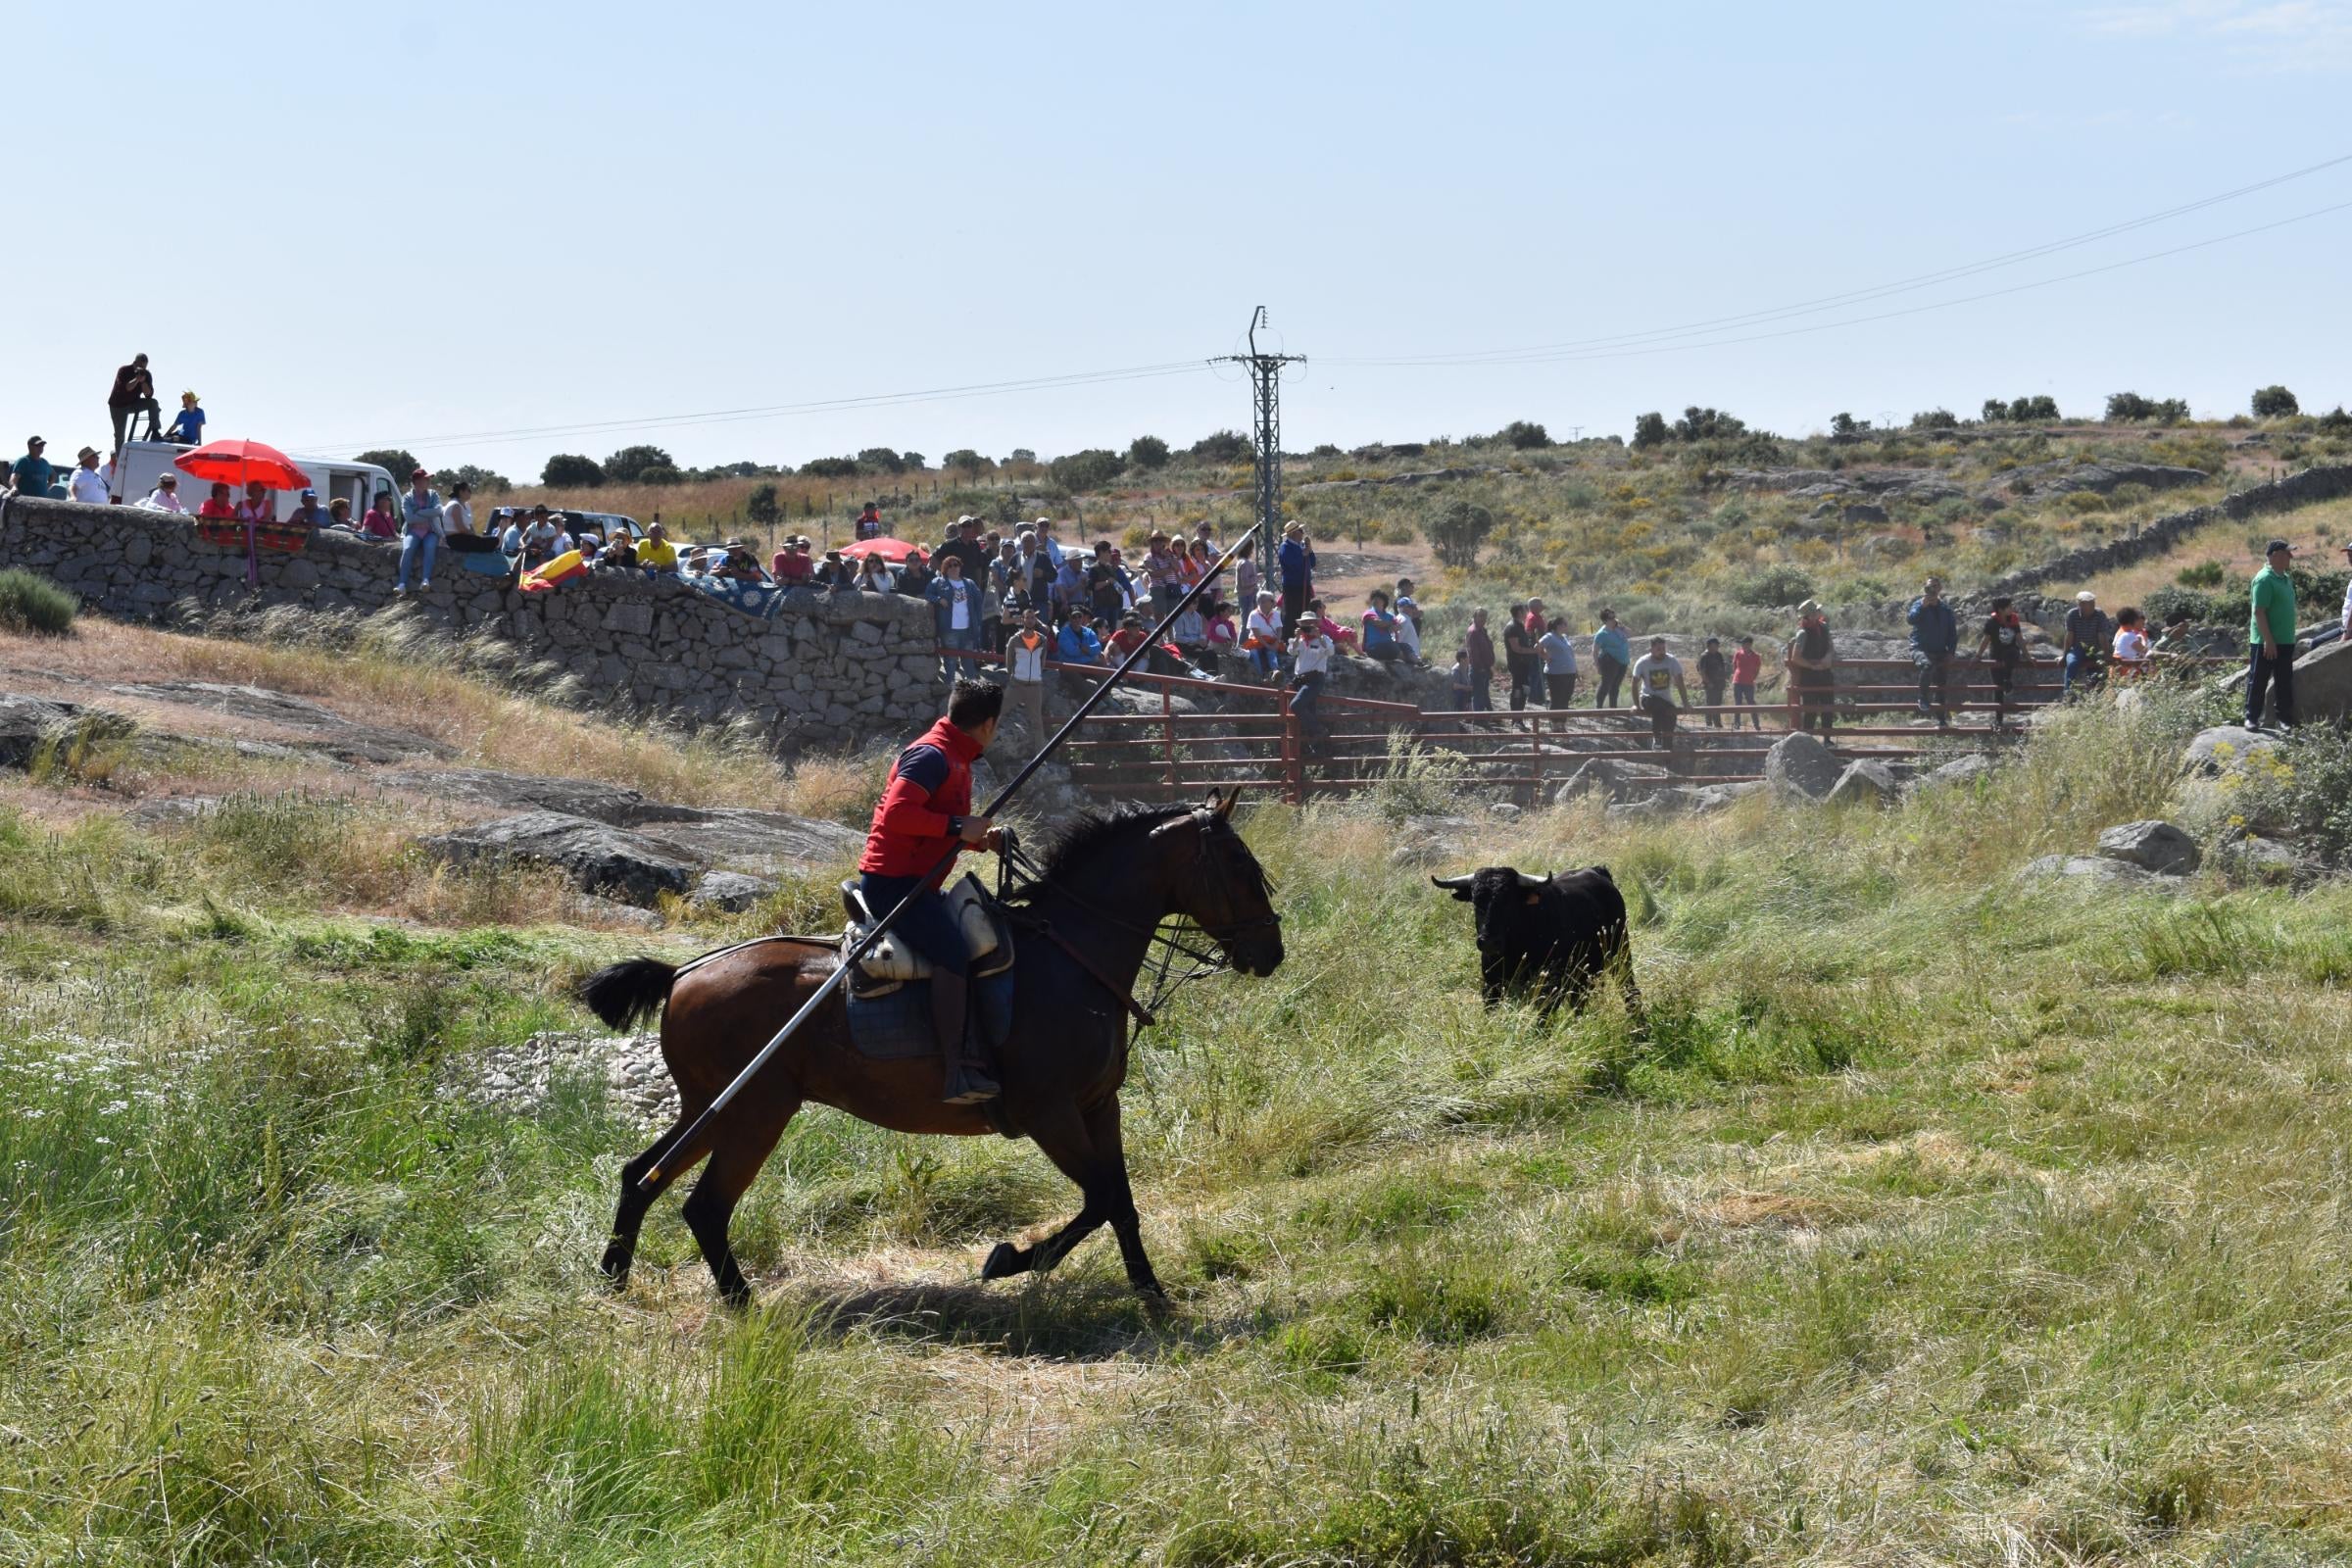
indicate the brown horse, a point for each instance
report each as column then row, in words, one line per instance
column 1086, row 926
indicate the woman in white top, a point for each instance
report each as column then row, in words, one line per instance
column 457, row 514
column 165, row 497
column 2131, row 641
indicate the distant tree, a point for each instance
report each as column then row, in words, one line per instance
column 2126, row 407
column 1147, row 452
column 830, row 468
column 1223, row 446
column 761, row 505
column 2022, row 410
column 485, row 482
column 1326, row 449
column 1935, row 420
column 1020, row 455
column 2274, row 402
column 393, row 460
column 660, row 474
column 1707, row 424
column 741, row 470
column 1843, row 423
column 567, row 471
column 1650, row 430
column 628, row 465
column 965, row 460
column 881, row 460
column 1455, row 530
column 913, row 461
column 2335, row 420
column 1524, row 435
column 1090, row 469
column 1993, row 411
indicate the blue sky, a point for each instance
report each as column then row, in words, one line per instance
column 352, row 226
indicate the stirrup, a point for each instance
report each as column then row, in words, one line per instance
column 970, row 1085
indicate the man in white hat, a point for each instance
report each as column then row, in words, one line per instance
column 2088, row 635
column 85, row 483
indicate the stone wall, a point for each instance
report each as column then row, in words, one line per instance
column 2295, row 490
column 828, row 670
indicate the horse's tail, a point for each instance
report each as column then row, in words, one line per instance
column 629, row 992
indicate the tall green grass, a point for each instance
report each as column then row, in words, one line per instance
column 31, row 603
column 1937, row 1217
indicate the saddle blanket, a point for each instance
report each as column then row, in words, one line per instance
column 896, row 1024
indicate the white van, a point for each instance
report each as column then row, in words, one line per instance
column 141, row 462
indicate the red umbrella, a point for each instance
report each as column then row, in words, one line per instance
column 891, row 550
column 240, row 463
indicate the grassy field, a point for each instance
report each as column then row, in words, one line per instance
column 1938, row 1220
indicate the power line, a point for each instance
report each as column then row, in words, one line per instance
column 1851, row 296
column 1537, row 355
column 669, row 421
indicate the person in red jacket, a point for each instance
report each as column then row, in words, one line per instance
column 922, row 823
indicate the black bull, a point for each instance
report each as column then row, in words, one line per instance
column 1552, row 936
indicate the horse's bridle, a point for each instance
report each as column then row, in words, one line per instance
column 1164, row 940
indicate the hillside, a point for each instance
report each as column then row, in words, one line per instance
column 1940, row 1217
column 1696, row 535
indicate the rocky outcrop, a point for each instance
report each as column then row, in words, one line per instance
column 2323, row 684
column 1801, row 767
column 612, row 862
column 2152, row 846
column 1865, row 783
column 826, row 668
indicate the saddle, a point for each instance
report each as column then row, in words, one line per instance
column 893, row 962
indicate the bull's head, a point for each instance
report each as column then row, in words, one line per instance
column 1499, row 895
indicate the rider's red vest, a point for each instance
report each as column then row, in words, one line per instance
column 930, row 783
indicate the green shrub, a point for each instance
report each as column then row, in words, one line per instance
column 1772, row 587
column 1524, row 435
column 2204, row 575
column 1090, row 469
column 1456, row 530
column 2086, row 502
column 2274, row 402
column 33, row 603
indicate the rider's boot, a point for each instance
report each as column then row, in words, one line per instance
column 967, row 1084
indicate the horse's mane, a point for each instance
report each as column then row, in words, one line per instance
column 1096, row 831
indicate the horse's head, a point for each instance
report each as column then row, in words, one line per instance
column 1217, row 881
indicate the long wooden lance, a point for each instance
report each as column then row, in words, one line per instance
column 685, row 1141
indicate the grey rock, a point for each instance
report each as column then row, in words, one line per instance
column 1801, row 767
column 599, row 859
column 1420, row 853
column 2323, row 684
column 1620, row 781
column 2257, row 860
column 1502, row 809
column 1864, row 512
column 2224, row 749
column 1865, row 782
column 26, row 723
column 1962, row 771
column 2152, row 846
column 729, row 891
column 2094, row 868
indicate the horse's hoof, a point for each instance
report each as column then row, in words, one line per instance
column 615, row 1272
column 1004, row 1262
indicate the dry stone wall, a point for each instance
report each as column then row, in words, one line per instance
column 828, row 669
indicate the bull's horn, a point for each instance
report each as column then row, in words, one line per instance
column 1451, row 884
column 1527, row 881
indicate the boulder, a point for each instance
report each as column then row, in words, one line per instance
column 2255, row 859
column 2224, row 749
column 2152, row 846
column 2323, row 684
column 1866, row 782
column 1962, row 771
column 2094, row 869
column 26, row 722
column 1620, row 781
column 1801, row 767
column 1865, row 511
column 729, row 891
column 599, row 859
column 1660, row 803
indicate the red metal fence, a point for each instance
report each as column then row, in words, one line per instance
column 1176, row 744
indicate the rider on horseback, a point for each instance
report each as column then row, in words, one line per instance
column 921, row 826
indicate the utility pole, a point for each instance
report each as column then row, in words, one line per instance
column 1265, row 377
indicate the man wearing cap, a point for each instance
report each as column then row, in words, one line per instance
column 307, row 514
column 869, row 522
column 34, row 474
column 2271, row 637
column 133, row 394
column 85, row 483
column 963, row 545
column 2088, row 635
column 1934, row 639
column 165, row 497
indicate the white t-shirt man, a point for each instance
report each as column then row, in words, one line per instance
column 1408, row 637
column 1310, row 658
column 1657, row 675
column 88, row 486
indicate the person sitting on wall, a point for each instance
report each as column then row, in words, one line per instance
column 307, row 513
column 218, row 505
column 187, row 428
column 165, row 497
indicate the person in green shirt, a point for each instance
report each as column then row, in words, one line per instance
column 2272, row 636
